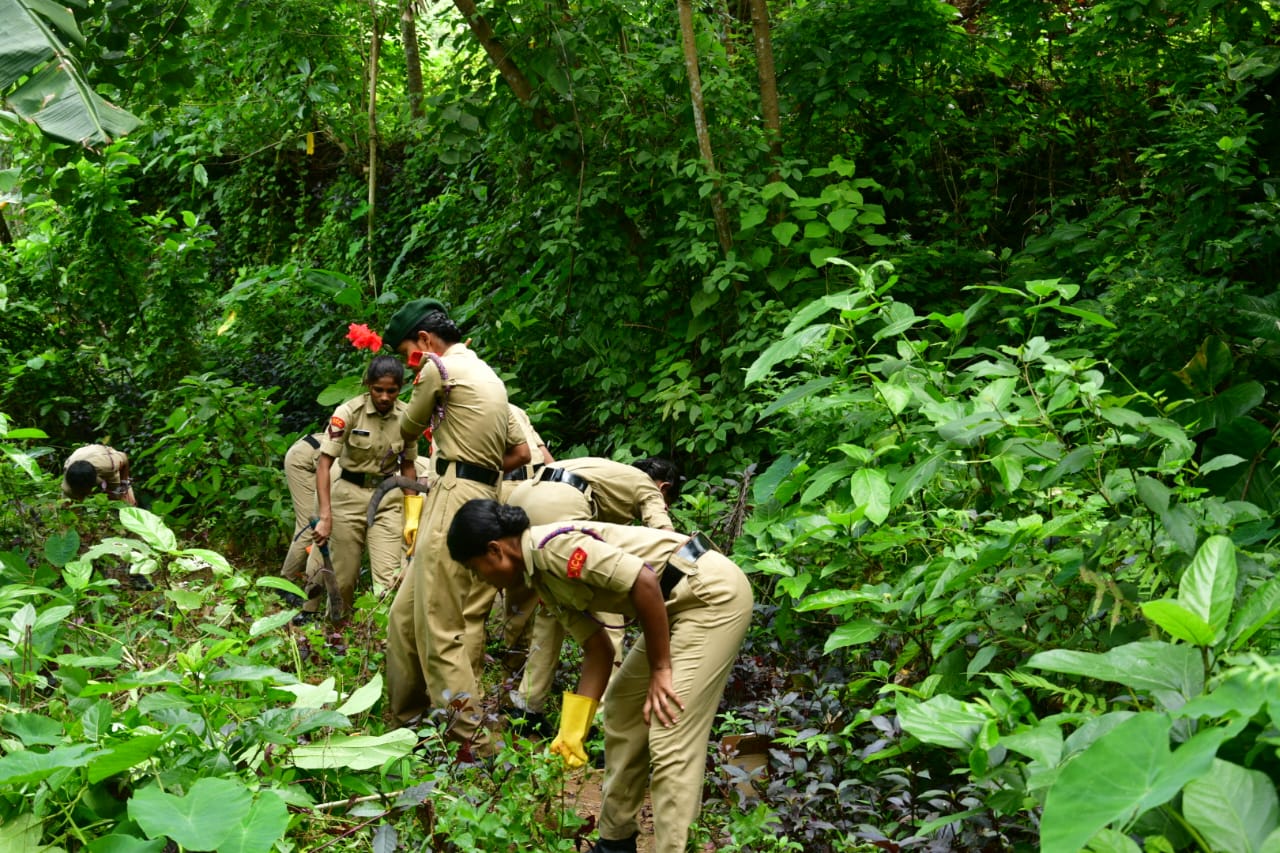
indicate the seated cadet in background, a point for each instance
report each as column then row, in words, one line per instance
column 693, row 605
column 586, row 489
column 94, row 468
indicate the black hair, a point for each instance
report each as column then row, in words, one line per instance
column 438, row 323
column 663, row 471
column 480, row 521
column 384, row 365
column 81, row 477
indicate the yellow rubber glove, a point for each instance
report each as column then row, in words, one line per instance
column 576, row 715
column 412, row 515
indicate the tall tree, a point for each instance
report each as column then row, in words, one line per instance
column 412, row 58
column 690, row 39
column 768, row 81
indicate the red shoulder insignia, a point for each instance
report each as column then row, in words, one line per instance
column 336, row 427
column 577, row 560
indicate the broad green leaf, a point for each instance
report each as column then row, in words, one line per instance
column 313, row 695
column 123, row 755
column 1179, row 622
column 1226, row 460
column 841, row 218
column 364, row 698
column 61, row 548
column 1010, row 469
column 125, row 844
column 783, row 349
column 34, row 729
column 21, row 833
column 919, row 475
column 262, row 827
column 1111, row 841
column 1122, row 774
column 1208, row 586
column 186, row 599
column 967, row 430
column 753, row 216
column 148, row 527
column 1043, row 743
column 1154, row 494
column 359, row 752
column 200, row 820
column 1210, row 365
column 339, row 392
column 785, row 232
column 942, row 721
column 1258, row 610
column 1168, row 671
column 821, row 481
column 1092, row 316
column 267, row 624
column 212, row 559
column 870, row 492
column 855, row 633
column 61, row 103
column 25, row 766
column 1233, row 808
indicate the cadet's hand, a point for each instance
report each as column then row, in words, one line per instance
column 662, row 700
column 576, row 715
column 323, row 528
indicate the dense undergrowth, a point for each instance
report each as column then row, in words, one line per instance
column 979, row 388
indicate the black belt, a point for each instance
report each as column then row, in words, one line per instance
column 312, row 440
column 522, row 473
column 468, row 471
column 363, row 480
column 559, row 475
column 690, row 551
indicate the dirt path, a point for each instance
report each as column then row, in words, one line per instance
column 584, row 791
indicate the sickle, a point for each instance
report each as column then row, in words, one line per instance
column 392, row 482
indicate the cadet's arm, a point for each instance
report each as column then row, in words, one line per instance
column 651, row 612
column 516, row 456
column 597, row 665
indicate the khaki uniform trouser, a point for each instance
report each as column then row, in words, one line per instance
column 435, row 630
column 349, row 505
column 301, row 477
column 709, row 612
column 547, row 503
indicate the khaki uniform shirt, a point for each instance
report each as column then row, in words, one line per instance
column 476, row 427
column 575, row 573
column 106, row 461
column 365, row 441
column 621, row 493
column 519, row 420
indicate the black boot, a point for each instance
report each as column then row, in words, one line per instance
column 625, row 845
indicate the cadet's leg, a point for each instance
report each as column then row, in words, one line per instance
column 475, row 612
column 704, row 643
column 346, row 542
column 439, row 614
column 626, row 746
column 545, row 642
column 406, row 688
column 386, row 541
column 302, row 490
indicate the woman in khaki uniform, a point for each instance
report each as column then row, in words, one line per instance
column 586, row 489
column 98, row 468
column 364, row 433
column 435, row 622
column 693, row 605
column 300, row 473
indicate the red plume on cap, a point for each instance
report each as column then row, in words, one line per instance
column 362, row 338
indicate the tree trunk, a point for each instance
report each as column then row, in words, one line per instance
column 412, row 60
column 498, row 55
column 768, row 82
column 374, row 44
column 700, row 120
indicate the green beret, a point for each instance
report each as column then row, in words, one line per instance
column 410, row 315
